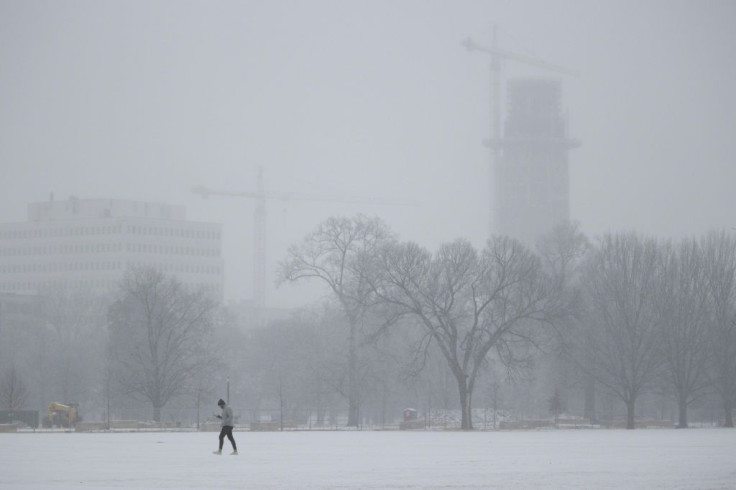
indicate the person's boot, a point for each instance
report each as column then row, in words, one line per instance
column 218, row 452
column 234, row 453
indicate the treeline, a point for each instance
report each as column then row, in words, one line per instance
column 626, row 314
column 151, row 342
column 620, row 326
column 656, row 315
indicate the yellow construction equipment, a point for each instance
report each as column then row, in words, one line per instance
column 60, row 415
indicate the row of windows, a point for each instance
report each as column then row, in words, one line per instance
column 88, row 248
column 179, row 268
column 36, row 268
column 172, row 250
column 160, row 231
column 60, row 232
column 163, row 231
column 35, row 286
column 11, row 308
column 62, row 249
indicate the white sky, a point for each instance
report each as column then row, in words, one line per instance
column 143, row 100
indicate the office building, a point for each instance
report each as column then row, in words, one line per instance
column 89, row 243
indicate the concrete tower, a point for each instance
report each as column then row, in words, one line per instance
column 531, row 174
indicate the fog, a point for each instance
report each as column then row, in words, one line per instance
column 369, row 99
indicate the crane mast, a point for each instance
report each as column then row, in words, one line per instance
column 497, row 54
column 259, row 249
column 495, row 68
column 259, row 232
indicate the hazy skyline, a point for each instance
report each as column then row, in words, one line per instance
column 144, row 100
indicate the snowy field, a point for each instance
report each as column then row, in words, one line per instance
column 578, row 459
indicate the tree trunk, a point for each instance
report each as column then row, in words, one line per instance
column 466, row 422
column 157, row 414
column 352, row 379
column 589, row 411
column 199, row 402
column 682, row 407
column 728, row 410
column 630, row 414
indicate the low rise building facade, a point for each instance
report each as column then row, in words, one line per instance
column 90, row 243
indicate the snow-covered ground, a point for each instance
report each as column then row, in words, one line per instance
column 579, row 459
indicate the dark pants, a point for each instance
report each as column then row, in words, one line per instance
column 227, row 430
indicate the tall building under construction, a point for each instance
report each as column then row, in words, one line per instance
column 532, row 190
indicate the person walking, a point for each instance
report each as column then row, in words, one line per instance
column 227, row 426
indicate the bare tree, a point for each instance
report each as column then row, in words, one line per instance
column 23, row 338
column 683, row 309
column 74, row 321
column 555, row 405
column 468, row 303
column 618, row 340
column 720, row 256
column 157, row 329
column 334, row 254
column 563, row 252
column 13, row 390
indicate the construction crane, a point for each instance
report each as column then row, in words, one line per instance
column 497, row 54
column 260, row 195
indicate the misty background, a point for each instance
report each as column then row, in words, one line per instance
column 144, row 100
